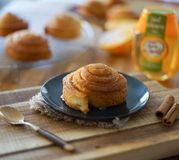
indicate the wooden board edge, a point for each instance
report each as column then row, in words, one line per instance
column 20, row 90
column 141, row 150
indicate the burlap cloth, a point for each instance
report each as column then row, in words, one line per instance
column 38, row 103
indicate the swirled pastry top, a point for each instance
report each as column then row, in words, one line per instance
column 10, row 23
column 95, row 84
column 64, row 26
column 97, row 77
column 27, row 46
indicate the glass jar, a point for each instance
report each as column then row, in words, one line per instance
column 155, row 45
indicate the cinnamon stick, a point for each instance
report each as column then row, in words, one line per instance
column 167, row 103
column 170, row 117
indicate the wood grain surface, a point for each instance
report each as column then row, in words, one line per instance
column 154, row 140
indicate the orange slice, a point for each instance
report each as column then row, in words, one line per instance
column 117, row 41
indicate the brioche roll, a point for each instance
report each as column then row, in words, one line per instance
column 95, row 84
column 96, row 7
column 65, row 26
column 27, row 46
column 10, row 23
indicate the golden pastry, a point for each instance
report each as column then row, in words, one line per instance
column 10, row 23
column 26, row 46
column 114, row 2
column 119, row 12
column 65, row 26
column 95, row 84
column 96, row 7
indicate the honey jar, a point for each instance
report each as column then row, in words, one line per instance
column 155, row 44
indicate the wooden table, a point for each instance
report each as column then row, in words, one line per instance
column 139, row 142
column 103, row 146
column 152, row 141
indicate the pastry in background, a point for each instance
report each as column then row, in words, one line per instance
column 95, row 84
column 64, row 26
column 118, row 12
column 96, row 7
column 10, row 23
column 27, row 46
column 114, row 2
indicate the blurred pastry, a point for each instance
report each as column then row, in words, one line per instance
column 95, row 84
column 117, row 12
column 95, row 8
column 10, row 23
column 65, row 26
column 27, row 46
column 114, row 2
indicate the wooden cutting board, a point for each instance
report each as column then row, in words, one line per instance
column 151, row 141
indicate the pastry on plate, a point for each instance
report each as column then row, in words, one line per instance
column 27, row 46
column 95, row 84
column 64, row 26
column 10, row 23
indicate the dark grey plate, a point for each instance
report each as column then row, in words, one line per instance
column 137, row 97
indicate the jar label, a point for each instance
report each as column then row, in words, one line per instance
column 153, row 46
column 156, row 25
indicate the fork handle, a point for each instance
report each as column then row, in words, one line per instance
column 57, row 140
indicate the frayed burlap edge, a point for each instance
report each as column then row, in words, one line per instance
column 37, row 103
